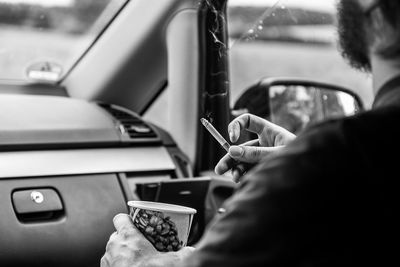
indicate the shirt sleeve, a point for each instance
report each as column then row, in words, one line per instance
column 278, row 216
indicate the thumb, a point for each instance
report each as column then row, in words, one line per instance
column 250, row 154
column 122, row 222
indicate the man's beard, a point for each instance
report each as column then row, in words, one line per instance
column 353, row 40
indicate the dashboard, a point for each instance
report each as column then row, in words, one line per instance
column 68, row 166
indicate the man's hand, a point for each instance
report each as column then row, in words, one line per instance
column 128, row 247
column 271, row 138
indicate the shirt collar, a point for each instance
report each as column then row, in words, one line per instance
column 388, row 94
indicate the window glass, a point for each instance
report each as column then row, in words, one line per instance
column 41, row 40
column 295, row 38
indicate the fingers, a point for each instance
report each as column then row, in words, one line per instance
column 104, row 262
column 123, row 223
column 247, row 122
column 238, row 171
column 250, row 154
column 225, row 164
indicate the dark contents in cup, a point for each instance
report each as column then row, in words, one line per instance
column 158, row 229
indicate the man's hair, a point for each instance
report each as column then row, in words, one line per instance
column 384, row 22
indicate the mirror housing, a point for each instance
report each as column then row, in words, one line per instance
column 295, row 103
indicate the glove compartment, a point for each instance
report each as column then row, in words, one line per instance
column 58, row 221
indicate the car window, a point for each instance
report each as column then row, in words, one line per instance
column 41, row 40
column 297, row 38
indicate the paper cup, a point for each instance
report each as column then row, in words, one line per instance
column 166, row 226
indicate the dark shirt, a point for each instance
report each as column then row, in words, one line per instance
column 329, row 199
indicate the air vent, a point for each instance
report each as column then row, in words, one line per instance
column 130, row 124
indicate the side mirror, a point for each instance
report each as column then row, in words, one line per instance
column 296, row 103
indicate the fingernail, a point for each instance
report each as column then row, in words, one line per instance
column 231, row 135
column 236, row 151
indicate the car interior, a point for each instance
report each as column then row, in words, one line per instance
column 110, row 112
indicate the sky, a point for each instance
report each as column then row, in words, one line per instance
column 41, row 2
column 321, row 5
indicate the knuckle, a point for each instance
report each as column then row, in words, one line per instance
column 255, row 153
column 119, row 260
column 245, row 153
column 113, row 236
column 127, row 233
column 104, row 262
column 110, row 245
column 246, row 118
column 245, row 115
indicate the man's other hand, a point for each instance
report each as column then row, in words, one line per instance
column 271, row 138
column 128, row 247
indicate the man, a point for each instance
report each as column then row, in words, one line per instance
column 326, row 198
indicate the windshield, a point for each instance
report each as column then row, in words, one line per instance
column 41, row 40
column 297, row 38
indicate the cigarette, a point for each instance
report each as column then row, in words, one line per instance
column 215, row 134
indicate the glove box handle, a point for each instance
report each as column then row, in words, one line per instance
column 37, row 204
